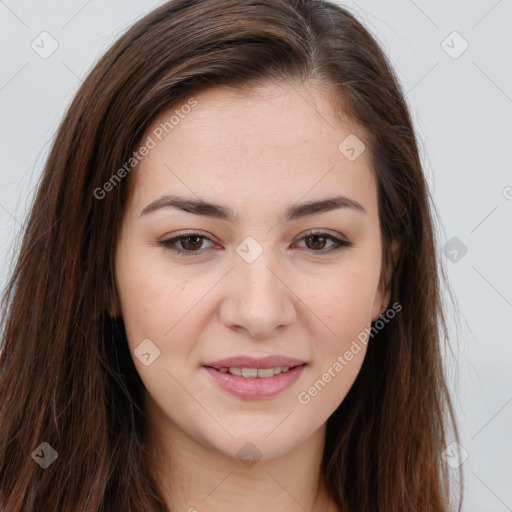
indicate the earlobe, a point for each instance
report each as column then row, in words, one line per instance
column 113, row 312
column 384, row 294
column 395, row 252
column 113, row 308
column 381, row 304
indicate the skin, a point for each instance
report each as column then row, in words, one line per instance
column 256, row 152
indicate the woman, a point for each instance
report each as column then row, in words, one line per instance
column 227, row 296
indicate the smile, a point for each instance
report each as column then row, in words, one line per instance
column 255, row 383
column 262, row 373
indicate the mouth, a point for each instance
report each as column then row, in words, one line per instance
column 260, row 373
column 254, row 383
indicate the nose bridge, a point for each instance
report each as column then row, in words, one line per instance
column 260, row 301
column 258, row 282
column 255, row 258
column 258, row 285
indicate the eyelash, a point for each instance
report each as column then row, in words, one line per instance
column 340, row 244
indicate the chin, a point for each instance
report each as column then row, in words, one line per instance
column 246, row 443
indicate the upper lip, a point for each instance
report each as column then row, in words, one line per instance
column 252, row 362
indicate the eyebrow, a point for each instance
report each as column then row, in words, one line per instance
column 217, row 211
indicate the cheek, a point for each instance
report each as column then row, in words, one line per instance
column 344, row 304
column 339, row 344
column 344, row 299
column 153, row 298
column 159, row 308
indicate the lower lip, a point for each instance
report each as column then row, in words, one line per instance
column 254, row 388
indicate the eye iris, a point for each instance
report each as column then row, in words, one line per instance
column 196, row 245
column 316, row 237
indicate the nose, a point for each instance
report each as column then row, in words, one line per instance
column 258, row 299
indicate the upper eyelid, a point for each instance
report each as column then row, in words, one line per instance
column 309, row 232
column 340, row 240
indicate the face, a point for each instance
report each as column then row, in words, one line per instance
column 259, row 275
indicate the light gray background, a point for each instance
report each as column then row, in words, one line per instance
column 462, row 110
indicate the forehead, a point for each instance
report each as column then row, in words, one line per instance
column 270, row 115
column 276, row 138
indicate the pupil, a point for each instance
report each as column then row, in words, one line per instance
column 316, row 237
column 198, row 241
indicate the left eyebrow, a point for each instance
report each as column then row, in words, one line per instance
column 207, row 209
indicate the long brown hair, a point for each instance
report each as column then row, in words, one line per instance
column 66, row 374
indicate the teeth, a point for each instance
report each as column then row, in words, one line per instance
column 267, row 372
column 256, row 372
column 249, row 372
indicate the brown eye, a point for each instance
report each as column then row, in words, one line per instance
column 189, row 243
column 318, row 242
column 191, row 246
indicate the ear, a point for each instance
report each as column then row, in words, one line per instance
column 114, row 309
column 383, row 294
